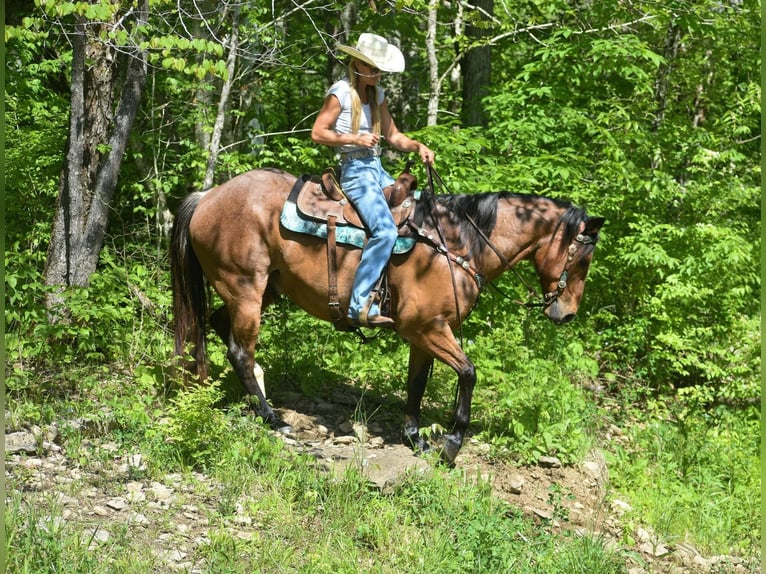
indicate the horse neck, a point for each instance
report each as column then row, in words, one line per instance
column 524, row 224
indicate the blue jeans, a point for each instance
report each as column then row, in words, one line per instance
column 363, row 181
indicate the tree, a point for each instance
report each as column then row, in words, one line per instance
column 98, row 135
column 231, row 60
column 476, row 64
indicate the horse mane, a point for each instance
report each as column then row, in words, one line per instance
column 570, row 220
column 482, row 209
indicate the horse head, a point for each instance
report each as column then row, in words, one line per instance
column 563, row 264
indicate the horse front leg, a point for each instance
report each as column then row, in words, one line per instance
column 466, row 383
column 439, row 342
column 420, row 364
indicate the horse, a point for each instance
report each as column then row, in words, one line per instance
column 230, row 237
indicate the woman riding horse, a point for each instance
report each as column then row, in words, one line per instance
column 354, row 118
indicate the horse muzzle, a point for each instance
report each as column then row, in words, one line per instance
column 559, row 313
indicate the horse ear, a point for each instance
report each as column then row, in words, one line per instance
column 593, row 224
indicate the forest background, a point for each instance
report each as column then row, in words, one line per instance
column 646, row 113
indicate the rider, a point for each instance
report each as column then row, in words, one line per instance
column 354, row 119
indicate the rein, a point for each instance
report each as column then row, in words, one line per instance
column 431, row 172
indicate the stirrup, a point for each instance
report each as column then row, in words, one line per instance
column 372, row 321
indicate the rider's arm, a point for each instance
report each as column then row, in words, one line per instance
column 399, row 140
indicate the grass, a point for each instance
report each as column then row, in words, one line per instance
column 301, row 520
column 264, row 508
column 261, row 507
column 705, row 470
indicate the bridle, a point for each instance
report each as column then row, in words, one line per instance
column 536, row 300
column 550, row 297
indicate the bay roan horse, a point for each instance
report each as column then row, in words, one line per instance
column 231, row 237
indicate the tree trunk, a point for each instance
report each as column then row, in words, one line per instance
column 476, row 69
column 215, row 141
column 433, row 64
column 672, row 42
column 98, row 135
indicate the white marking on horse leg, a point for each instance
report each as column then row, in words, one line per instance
column 258, row 373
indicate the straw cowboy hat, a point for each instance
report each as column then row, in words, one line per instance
column 376, row 51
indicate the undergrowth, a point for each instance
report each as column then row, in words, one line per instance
column 687, row 462
column 294, row 515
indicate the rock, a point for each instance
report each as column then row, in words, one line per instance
column 160, row 491
column 377, row 442
column 549, row 462
column 544, row 514
column 620, row 507
column 32, row 463
column 344, row 439
column 22, row 441
column 346, row 427
column 134, row 486
column 117, row 504
column 95, row 537
column 386, row 468
column 135, row 492
column 175, row 556
column 325, row 408
column 516, row 484
column 657, row 550
column 138, row 518
column 298, row 421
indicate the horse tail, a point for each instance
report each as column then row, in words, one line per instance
column 189, row 291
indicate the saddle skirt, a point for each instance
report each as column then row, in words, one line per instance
column 313, row 201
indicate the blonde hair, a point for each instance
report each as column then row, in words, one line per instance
column 356, row 102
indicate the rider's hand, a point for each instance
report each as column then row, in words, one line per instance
column 368, row 140
column 426, row 154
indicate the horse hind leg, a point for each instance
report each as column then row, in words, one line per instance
column 241, row 340
column 222, row 326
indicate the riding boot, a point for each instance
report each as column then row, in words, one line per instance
column 370, row 315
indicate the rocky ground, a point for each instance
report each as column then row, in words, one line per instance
column 175, row 509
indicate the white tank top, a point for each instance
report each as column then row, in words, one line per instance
column 342, row 90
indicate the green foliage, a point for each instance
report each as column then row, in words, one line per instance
column 534, row 406
column 195, row 424
column 693, row 468
column 102, row 320
column 586, row 103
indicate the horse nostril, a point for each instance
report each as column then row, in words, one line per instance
column 566, row 319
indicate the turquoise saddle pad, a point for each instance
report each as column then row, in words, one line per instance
column 291, row 219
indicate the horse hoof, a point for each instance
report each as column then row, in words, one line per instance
column 283, row 428
column 450, row 450
column 278, row 425
column 417, row 444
